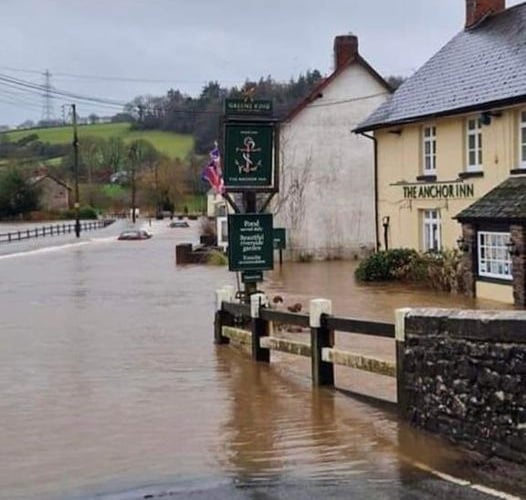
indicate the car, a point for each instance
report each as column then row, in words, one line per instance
column 179, row 223
column 134, row 234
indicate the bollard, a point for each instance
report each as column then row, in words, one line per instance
column 259, row 327
column 222, row 318
column 401, row 396
column 321, row 336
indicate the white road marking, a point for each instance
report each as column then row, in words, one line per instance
column 463, row 482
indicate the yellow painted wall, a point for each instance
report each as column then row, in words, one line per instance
column 400, row 161
column 493, row 291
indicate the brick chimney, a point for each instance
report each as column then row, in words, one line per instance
column 477, row 10
column 345, row 50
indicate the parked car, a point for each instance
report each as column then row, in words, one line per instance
column 179, row 223
column 134, row 234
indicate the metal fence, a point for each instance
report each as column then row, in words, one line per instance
column 52, row 230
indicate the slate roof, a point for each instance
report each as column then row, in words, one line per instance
column 506, row 201
column 479, row 67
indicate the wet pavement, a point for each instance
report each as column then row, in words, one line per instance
column 111, row 387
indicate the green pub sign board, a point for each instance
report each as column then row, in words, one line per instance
column 280, row 238
column 248, row 106
column 249, row 156
column 250, row 239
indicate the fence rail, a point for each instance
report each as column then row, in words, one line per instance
column 52, row 230
column 251, row 323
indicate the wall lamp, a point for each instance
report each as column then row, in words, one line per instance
column 512, row 248
column 462, row 244
column 486, row 116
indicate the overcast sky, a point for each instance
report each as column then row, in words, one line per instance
column 185, row 43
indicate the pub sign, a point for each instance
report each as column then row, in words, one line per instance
column 249, row 156
column 250, row 242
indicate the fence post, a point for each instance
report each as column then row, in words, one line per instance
column 401, row 394
column 19, row 235
column 9, row 236
column 321, row 336
column 259, row 327
column 222, row 318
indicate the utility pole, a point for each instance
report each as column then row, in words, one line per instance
column 76, row 165
column 133, row 158
column 250, row 202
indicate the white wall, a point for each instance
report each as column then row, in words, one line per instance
column 326, row 198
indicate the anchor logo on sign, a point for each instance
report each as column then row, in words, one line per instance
column 248, row 149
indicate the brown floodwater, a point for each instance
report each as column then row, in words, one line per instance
column 111, row 387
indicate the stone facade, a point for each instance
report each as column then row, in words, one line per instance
column 518, row 236
column 469, row 276
column 465, row 377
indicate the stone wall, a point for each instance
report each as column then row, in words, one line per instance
column 464, row 376
column 518, row 236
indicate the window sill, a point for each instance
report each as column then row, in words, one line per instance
column 517, row 171
column 469, row 175
column 495, row 281
column 427, row 178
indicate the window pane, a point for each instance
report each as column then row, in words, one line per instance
column 471, row 142
column 494, row 259
column 472, row 158
column 480, row 157
column 471, row 124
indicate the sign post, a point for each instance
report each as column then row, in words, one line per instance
column 250, row 166
column 280, row 242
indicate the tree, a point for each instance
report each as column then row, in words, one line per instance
column 17, row 196
column 164, row 184
column 93, row 118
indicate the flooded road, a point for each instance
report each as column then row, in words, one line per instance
column 111, row 387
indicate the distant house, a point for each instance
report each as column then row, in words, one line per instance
column 54, row 193
column 327, row 181
column 452, row 152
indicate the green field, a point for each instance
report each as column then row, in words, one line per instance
column 169, row 143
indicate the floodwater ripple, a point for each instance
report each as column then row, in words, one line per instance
column 111, row 386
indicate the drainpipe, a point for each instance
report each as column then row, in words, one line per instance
column 373, row 138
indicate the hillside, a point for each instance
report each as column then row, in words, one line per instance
column 169, row 143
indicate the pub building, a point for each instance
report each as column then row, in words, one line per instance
column 451, row 153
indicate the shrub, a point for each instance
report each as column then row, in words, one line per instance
column 387, row 265
column 217, row 258
column 439, row 270
column 88, row 213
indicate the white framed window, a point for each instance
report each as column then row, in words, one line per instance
column 494, row 260
column 522, row 139
column 474, row 144
column 429, row 149
column 432, row 230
